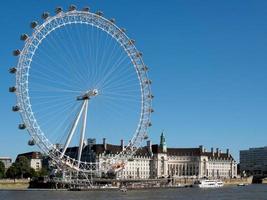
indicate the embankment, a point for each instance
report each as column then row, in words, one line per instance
column 236, row 181
column 14, row 184
column 227, row 181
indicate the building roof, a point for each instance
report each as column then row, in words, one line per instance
column 184, row 151
column 143, row 151
column 156, row 149
column 190, row 152
column 110, row 149
column 31, row 155
column 177, row 151
column 5, row 158
column 215, row 155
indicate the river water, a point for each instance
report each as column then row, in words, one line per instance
column 251, row 192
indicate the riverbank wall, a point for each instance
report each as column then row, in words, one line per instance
column 18, row 184
column 236, row 181
column 14, row 184
column 227, row 181
column 264, row 181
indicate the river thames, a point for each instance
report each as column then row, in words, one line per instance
column 251, row 192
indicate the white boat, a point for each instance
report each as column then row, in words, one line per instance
column 242, row 184
column 208, row 183
column 123, row 189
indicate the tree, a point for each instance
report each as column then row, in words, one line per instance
column 43, row 172
column 2, row 169
column 12, row 172
column 32, row 173
column 23, row 167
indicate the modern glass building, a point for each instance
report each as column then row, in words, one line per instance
column 254, row 161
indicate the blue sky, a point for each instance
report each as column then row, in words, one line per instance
column 207, row 62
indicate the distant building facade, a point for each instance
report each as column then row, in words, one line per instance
column 157, row 161
column 254, row 161
column 7, row 161
column 191, row 162
column 35, row 158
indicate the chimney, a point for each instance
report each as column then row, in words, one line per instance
column 149, row 146
column 201, row 148
column 104, row 144
column 130, row 143
column 122, row 145
column 212, row 151
column 228, row 152
column 217, row 151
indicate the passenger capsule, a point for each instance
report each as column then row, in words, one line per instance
column 86, row 9
column 34, row 24
column 150, row 96
column 22, row 126
column 145, row 136
column 24, row 37
column 31, row 142
column 112, row 20
column 123, row 30
column 12, row 70
column 12, row 89
column 15, row 108
column 151, row 110
column 139, row 54
column 145, row 68
column 131, row 42
column 72, row 8
column 99, row 13
column 16, row 52
column 45, row 15
column 58, row 10
column 148, row 81
column 149, row 124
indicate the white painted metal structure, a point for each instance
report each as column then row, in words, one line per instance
column 23, row 68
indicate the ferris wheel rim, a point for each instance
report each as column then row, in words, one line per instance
column 23, row 97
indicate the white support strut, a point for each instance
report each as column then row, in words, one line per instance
column 83, row 131
column 73, row 128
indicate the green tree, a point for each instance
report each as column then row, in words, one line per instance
column 43, row 172
column 23, row 167
column 32, row 173
column 12, row 172
column 2, row 169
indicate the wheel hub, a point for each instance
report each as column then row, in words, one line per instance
column 87, row 95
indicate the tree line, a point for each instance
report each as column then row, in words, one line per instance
column 21, row 168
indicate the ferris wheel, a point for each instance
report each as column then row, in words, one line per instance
column 79, row 74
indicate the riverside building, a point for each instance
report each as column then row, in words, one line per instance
column 254, row 161
column 35, row 159
column 159, row 161
column 7, row 161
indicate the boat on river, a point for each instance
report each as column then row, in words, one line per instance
column 123, row 189
column 209, row 183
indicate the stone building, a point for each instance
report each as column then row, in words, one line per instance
column 191, row 162
column 35, row 159
column 7, row 161
column 158, row 161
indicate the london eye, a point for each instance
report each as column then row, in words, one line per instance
column 78, row 75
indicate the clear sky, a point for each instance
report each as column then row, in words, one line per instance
column 207, row 62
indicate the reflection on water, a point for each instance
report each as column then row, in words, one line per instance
column 251, row 192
